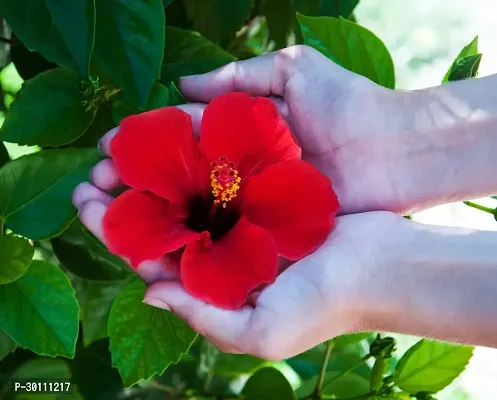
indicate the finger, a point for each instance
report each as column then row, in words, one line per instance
column 165, row 269
column 91, row 215
column 221, row 326
column 104, row 175
column 86, row 192
column 92, row 212
column 282, row 106
column 260, row 76
column 304, row 313
column 104, row 142
column 156, row 271
column 196, row 111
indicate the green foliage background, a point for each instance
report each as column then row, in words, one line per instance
column 70, row 309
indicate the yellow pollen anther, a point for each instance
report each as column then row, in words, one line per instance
column 225, row 181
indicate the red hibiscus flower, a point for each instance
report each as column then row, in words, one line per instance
column 235, row 200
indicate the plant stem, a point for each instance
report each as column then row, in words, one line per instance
column 322, row 372
column 346, row 371
column 208, row 380
column 479, row 207
column 208, row 362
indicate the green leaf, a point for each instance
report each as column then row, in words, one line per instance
column 308, row 364
column 92, row 372
column 186, row 371
column 256, row 41
column 4, row 155
column 431, row 366
column 189, row 53
column 43, row 368
column 268, row 384
column 391, row 396
column 7, row 345
column 15, row 256
column 351, row 46
column 96, row 300
column 144, row 340
column 176, row 97
column 218, row 20
column 164, row 96
column 465, row 68
column 470, row 49
column 35, row 199
column 4, row 50
column 350, row 385
column 102, row 123
column 231, row 364
column 28, row 63
column 130, row 44
column 160, row 96
column 59, row 120
column 279, row 17
column 78, row 235
column 40, row 311
column 325, row 8
column 344, row 340
column 86, row 264
column 62, row 32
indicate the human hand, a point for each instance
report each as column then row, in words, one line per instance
column 332, row 138
column 322, row 296
column 92, row 200
column 317, row 298
column 345, row 124
column 365, row 164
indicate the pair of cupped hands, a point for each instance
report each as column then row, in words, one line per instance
column 346, row 127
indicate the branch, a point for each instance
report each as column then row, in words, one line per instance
column 346, row 371
column 322, row 372
column 480, row 207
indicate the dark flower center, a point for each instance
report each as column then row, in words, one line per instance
column 205, row 215
column 215, row 213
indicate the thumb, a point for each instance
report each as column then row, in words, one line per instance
column 260, row 76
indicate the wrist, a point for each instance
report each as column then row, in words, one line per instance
column 385, row 237
column 447, row 291
column 445, row 138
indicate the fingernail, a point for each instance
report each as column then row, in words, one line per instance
column 154, row 302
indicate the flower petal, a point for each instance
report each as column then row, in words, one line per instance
column 157, row 151
column 225, row 273
column 139, row 226
column 295, row 203
column 248, row 131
